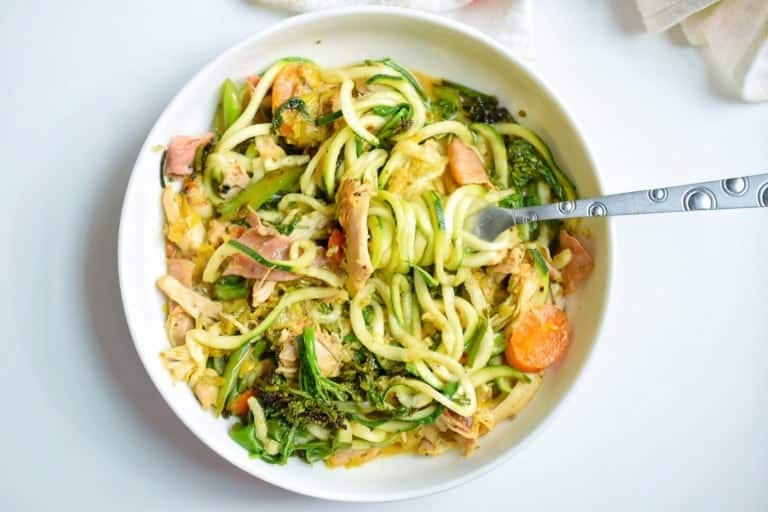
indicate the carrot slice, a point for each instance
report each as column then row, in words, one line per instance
column 539, row 339
column 239, row 405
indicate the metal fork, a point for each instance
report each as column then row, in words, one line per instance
column 725, row 194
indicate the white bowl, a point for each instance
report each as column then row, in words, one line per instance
column 423, row 41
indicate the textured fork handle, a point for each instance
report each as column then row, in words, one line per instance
column 739, row 192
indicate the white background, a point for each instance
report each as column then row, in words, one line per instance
column 672, row 412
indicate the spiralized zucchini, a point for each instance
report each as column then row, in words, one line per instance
column 348, row 305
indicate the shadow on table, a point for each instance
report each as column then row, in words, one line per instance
column 626, row 13
column 109, row 328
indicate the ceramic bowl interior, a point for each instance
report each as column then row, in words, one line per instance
column 437, row 47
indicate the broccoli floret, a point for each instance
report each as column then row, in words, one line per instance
column 526, row 165
column 280, row 401
column 311, row 379
column 456, row 100
column 361, row 374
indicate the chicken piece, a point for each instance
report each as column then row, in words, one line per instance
column 465, row 165
column 177, row 325
column 206, row 388
column 509, row 265
column 261, row 292
column 328, row 347
column 181, row 153
column 461, row 425
column 350, row 458
column 355, row 199
column 178, row 322
column 234, row 179
column 431, row 442
column 580, row 266
column 193, row 303
column 197, row 198
column 178, row 362
column 181, row 269
column 216, row 231
column 267, row 147
column 184, row 227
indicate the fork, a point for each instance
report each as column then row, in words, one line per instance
column 725, row 194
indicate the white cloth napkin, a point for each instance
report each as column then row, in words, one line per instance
column 734, row 34
column 509, row 21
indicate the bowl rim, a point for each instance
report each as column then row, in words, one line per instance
column 435, row 20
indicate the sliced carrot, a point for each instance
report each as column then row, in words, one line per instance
column 539, row 339
column 336, row 246
column 464, row 164
column 581, row 264
column 239, row 406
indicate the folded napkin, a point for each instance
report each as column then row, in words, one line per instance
column 509, row 21
column 734, row 34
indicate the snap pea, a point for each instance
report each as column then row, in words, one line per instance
column 258, row 193
column 231, row 107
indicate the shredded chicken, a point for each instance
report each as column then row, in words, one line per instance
column 216, row 231
column 431, row 443
column 178, row 362
column 206, row 388
column 196, row 197
column 192, row 302
column 234, row 179
column 267, row 147
column 509, row 265
column 328, row 347
column 261, row 292
column 177, row 324
column 460, row 425
column 354, row 200
column 351, row 457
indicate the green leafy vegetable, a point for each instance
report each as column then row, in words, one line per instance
column 459, row 101
column 311, row 379
column 527, row 165
column 294, row 103
column 230, row 288
column 399, row 120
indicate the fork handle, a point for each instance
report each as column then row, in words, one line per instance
column 725, row 194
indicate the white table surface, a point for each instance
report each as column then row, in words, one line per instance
column 673, row 411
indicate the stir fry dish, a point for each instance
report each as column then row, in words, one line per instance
column 325, row 293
